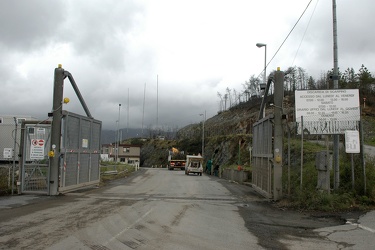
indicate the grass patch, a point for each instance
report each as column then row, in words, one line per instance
column 344, row 199
column 112, row 171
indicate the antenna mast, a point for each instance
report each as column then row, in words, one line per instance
column 143, row 112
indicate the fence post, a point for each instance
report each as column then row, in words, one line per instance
column 14, row 154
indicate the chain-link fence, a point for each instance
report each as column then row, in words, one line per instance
column 10, row 132
column 9, row 141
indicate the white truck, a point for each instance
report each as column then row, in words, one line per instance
column 194, row 164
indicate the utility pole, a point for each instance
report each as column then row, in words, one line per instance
column 157, row 102
column 278, row 135
column 118, row 132
column 335, row 78
column 58, row 89
column 127, row 120
column 204, row 121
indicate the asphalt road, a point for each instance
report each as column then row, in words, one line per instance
column 161, row 209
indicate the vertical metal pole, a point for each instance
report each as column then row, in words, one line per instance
column 118, row 132
column 203, row 133
column 203, row 123
column 335, row 86
column 157, row 103
column 278, row 134
column 301, row 152
column 14, row 154
column 288, row 159
column 363, row 158
column 352, row 161
column 239, row 152
column 127, row 120
column 265, row 75
column 56, row 130
column 115, row 148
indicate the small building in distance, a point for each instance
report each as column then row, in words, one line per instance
column 127, row 153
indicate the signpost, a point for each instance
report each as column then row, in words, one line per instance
column 352, row 146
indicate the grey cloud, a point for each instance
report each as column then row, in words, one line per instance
column 98, row 30
column 28, row 24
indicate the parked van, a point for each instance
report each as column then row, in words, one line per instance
column 194, row 164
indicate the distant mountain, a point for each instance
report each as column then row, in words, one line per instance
column 109, row 136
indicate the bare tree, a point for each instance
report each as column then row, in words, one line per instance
column 235, row 97
column 229, row 95
column 225, row 101
column 221, row 101
column 252, row 86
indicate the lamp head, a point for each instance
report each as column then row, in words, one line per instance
column 259, row 45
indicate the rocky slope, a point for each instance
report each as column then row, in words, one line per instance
column 228, row 135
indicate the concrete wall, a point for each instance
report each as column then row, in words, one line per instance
column 239, row 176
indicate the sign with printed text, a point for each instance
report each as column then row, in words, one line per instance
column 37, row 149
column 8, row 153
column 352, row 144
column 331, row 111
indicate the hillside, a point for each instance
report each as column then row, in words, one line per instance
column 223, row 132
column 228, row 135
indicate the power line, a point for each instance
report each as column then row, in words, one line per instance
column 305, row 32
column 286, row 37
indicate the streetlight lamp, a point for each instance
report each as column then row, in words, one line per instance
column 204, row 116
column 263, row 86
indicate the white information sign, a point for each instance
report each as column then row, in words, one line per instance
column 41, row 131
column 37, row 149
column 352, row 144
column 8, row 153
column 331, row 111
column 85, row 143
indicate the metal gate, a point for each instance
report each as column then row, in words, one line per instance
column 262, row 156
column 34, row 174
column 80, row 152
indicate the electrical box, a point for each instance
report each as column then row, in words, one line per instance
column 8, row 153
column 323, row 160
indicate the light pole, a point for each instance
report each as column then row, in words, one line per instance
column 118, row 132
column 115, row 149
column 204, row 117
column 259, row 45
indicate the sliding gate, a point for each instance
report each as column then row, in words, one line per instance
column 262, row 156
column 78, row 158
column 80, row 152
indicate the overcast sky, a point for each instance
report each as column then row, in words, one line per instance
column 190, row 49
